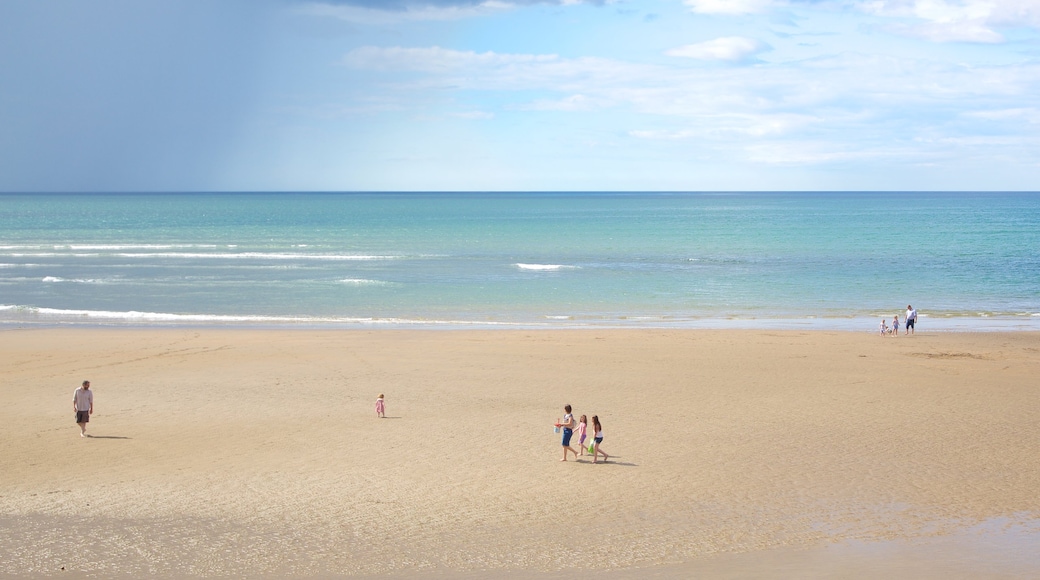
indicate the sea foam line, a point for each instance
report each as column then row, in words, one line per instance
column 132, row 246
column 214, row 255
column 106, row 246
column 545, row 267
column 52, row 279
column 135, row 316
column 363, row 282
column 260, row 256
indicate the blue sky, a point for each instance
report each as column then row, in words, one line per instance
column 195, row 95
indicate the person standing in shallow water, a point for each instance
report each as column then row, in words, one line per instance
column 83, row 406
column 911, row 319
column 568, row 430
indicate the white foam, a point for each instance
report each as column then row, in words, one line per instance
column 545, row 267
column 259, row 256
column 210, row 255
column 131, row 246
column 51, row 279
column 50, row 255
column 362, row 282
column 159, row 317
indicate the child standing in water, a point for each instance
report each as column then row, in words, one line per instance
column 582, row 426
column 380, row 407
column 598, row 430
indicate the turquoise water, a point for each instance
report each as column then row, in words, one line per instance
column 834, row 260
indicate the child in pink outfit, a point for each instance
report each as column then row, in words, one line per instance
column 582, row 426
column 380, row 407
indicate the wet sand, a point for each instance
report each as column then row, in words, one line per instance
column 734, row 454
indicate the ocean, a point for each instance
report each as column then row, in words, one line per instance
column 966, row 261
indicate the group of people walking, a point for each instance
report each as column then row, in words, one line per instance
column 570, row 427
column 908, row 322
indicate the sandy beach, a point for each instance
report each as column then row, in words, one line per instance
column 733, row 454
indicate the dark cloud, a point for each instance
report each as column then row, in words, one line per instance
column 398, row 5
column 122, row 95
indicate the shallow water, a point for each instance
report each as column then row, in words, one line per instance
column 999, row 548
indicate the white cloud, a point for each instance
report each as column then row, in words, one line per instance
column 729, row 6
column 376, row 16
column 952, row 32
column 571, row 103
column 816, row 153
column 1021, row 114
column 474, row 115
column 436, row 59
column 978, row 21
column 469, row 70
column 729, row 48
column 730, row 126
column 923, row 105
column 665, row 135
column 956, row 20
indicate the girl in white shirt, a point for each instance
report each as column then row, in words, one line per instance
column 598, row 430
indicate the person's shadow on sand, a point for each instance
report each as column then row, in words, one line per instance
column 610, row 462
column 106, row 437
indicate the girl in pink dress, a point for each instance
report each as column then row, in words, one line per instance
column 380, row 407
column 582, row 426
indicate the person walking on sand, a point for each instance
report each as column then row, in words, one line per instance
column 582, row 427
column 597, row 428
column 911, row 319
column 895, row 325
column 83, row 406
column 882, row 328
column 380, row 407
column 568, row 431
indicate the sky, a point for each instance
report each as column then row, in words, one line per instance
column 528, row 95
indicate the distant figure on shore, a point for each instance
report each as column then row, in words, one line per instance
column 895, row 325
column 598, row 430
column 883, row 328
column 380, row 407
column 582, row 427
column 911, row 319
column 568, row 430
column 83, row 405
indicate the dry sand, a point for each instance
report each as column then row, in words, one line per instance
column 734, row 454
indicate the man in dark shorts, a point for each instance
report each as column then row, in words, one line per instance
column 83, row 405
column 911, row 318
